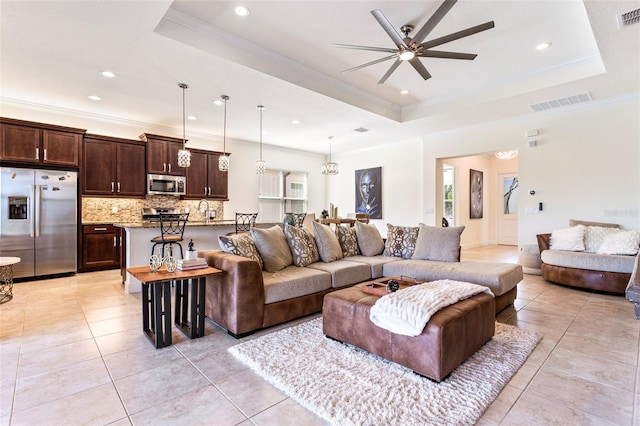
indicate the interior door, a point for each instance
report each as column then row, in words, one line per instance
column 508, row 210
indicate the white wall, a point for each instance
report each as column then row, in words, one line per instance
column 243, row 181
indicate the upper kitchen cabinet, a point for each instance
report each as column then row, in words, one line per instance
column 204, row 179
column 37, row 143
column 113, row 166
column 162, row 154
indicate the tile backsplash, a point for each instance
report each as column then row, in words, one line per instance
column 119, row 210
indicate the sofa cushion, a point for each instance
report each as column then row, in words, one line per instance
column 302, row 244
column 625, row 243
column 242, row 245
column 292, row 282
column 437, row 243
column 348, row 240
column 401, row 241
column 571, row 239
column 327, row 241
column 498, row 276
column 344, row 272
column 593, row 236
column 369, row 240
column 273, row 247
column 375, row 263
column 589, row 261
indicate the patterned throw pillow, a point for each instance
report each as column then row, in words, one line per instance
column 401, row 241
column 348, row 240
column 302, row 244
column 625, row 242
column 242, row 245
column 593, row 236
column 327, row 241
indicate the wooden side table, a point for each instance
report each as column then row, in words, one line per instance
column 6, row 277
column 156, row 302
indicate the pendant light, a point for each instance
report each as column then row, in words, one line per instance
column 184, row 156
column 261, row 165
column 330, row 168
column 223, row 160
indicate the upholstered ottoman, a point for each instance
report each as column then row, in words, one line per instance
column 451, row 336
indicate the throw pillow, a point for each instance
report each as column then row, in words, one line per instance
column 593, row 236
column 348, row 240
column 570, row 239
column 401, row 241
column 437, row 243
column 302, row 244
column 242, row 245
column 625, row 242
column 273, row 247
column 327, row 241
column 369, row 240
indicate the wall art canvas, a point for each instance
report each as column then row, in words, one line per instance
column 475, row 194
column 369, row 192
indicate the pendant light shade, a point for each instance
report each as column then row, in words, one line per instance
column 223, row 160
column 506, row 155
column 261, row 165
column 330, row 168
column 184, row 156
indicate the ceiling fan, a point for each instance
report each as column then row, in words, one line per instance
column 410, row 49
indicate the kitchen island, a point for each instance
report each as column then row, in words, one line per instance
column 137, row 242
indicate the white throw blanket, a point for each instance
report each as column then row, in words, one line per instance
column 407, row 311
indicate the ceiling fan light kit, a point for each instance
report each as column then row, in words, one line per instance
column 411, row 49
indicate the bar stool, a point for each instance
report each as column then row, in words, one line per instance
column 172, row 229
column 245, row 221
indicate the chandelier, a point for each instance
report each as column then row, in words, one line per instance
column 506, row 155
column 261, row 165
column 184, row 156
column 223, row 160
column 330, row 168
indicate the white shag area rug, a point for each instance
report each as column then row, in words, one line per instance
column 349, row 386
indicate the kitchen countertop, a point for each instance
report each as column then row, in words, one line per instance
column 147, row 224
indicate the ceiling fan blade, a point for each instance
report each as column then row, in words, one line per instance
column 375, row 49
column 457, row 35
column 433, row 21
column 377, row 61
column 446, row 55
column 390, row 71
column 417, row 65
column 391, row 31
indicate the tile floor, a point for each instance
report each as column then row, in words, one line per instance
column 72, row 352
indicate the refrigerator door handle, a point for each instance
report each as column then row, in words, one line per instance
column 37, row 202
column 31, row 207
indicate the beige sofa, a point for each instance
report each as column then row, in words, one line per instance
column 249, row 296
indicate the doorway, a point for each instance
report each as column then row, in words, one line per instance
column 507, row 226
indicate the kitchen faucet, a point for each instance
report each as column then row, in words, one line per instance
column 207, row 212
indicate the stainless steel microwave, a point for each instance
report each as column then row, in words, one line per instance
column 166, row 185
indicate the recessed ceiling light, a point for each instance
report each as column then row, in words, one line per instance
column 192, row 117
column 107, row 74
column 217, row 102
column 94, row 97
column 241, row 11
column 543, row 46
column 295, row 121
column 404, row 92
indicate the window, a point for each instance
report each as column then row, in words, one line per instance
column 448, row 195
column 281, row 192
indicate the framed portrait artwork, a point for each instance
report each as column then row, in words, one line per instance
column 369, row 192
column 475, row 194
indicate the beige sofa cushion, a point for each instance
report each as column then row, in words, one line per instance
column 273, row 248
column 437, row 243
column 369, row 240
column 375, row 263
column 589, row 261
column 292, row 282
column 344, row 272
column 327, row 241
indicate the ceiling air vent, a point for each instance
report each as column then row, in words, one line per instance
column 557, row 103
column 361, row 130
column 629, row 18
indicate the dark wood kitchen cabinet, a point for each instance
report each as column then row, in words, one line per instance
column 113, row 166
column 38, row 143
column 204, row 180
column 162, row 154
column 100, row 247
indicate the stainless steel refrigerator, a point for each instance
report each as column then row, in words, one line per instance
column 38, row 210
